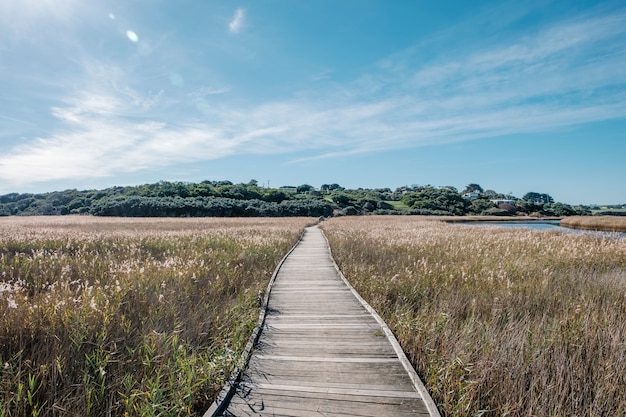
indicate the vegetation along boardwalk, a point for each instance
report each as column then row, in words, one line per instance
column 323, row 351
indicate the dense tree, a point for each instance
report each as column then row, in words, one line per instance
column 472, row 188
column 491, row 195
column 349, row 211
column 558, row 209
column 304, row 188
column 135, row 206
column 224, row 198
column 383, row 191
column 583, row 211
column 538, row 198
column 341, row 199
column 529, row 207
column 308, row 207
column 12, row 197
column 495, row 211
column 204, row 189
column 275, row 196
column 383, row 205
column 480, row 205
column 443, row 199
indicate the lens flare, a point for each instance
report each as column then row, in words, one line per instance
column 132, row 36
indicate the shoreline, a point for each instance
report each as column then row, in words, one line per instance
column 503, row 219
column 596, row 223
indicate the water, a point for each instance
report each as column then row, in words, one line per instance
column 536, row 224
column 542, row 225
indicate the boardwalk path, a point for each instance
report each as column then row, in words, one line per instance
column 321, row 353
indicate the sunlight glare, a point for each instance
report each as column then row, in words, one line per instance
column 132, row 36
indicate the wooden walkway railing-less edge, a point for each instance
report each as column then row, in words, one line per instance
column 417, row 382
column 228, row 390
column 321, row 352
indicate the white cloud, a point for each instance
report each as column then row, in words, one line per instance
column 237, row 21
column 207, row 91
column 552, row 79
column 100, row 145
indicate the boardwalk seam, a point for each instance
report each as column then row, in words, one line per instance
column 217, row 407
column 417, row 382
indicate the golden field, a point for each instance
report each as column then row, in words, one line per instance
column 608, row 223
column 497, row 321
column 121, row 317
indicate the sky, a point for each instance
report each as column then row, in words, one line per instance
column 514, row 96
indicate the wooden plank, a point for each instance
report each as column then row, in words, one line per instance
column 356, row 390
column 328, row 379
column 321, row 353
column 296, row 399
column 285, row 344
column 325, row 408
column 268, row 402
column 327, row 369
column 335, row 356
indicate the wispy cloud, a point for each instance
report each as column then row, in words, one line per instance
column 99, row 142
column 207, row 91
column 569, row 73
column 237, row 21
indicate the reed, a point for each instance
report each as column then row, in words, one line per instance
column 126, row 317
column 497, row 321
column 605, row 223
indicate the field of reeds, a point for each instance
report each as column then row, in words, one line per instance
column 607, row 223
column 497, row 321
column 128, row 317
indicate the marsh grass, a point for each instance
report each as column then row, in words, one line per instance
column 497, row 321
column 606, row 223
column 138, row 317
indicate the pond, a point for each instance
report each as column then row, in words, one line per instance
column 540, row 225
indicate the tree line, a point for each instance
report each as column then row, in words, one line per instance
column 226, row 199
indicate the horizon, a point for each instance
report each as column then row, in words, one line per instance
column 366, row 94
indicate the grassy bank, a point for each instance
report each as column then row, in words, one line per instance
column 606, row 223
column 497, row 322
column 128, row 316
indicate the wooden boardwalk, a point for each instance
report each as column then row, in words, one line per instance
column 321, row 352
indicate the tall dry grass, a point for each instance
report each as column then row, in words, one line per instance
column 497, row 321
column 128, row 317
column 607, row 223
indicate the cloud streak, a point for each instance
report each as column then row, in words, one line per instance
column 568, row 74
column 237, row 22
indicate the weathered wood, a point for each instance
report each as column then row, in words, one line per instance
column 321, row 352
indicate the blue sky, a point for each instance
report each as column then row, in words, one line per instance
column 515, row 96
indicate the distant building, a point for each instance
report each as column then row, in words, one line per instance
column 471, row 195
column 289, row 189
column 497, row 202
